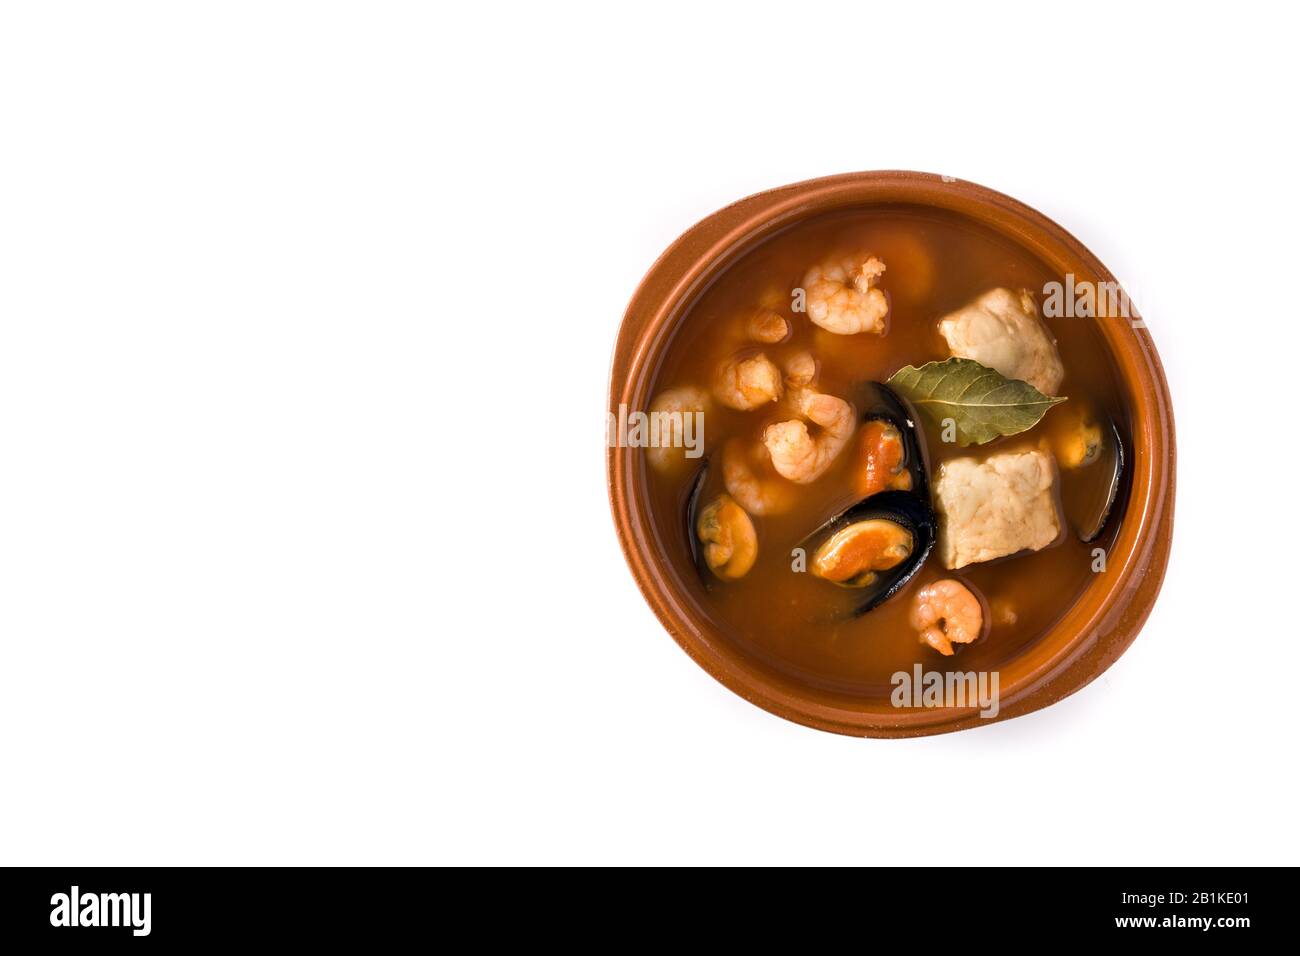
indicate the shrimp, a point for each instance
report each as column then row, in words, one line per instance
column 747, row 380
column 746, row 383
column 947, row 613
column 796, row 454
column 842, row 296
column 727, row 533
column 747, row 473
column 767, row 326
column 672, row 407
column 800, row 369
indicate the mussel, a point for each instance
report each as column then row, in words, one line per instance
column 729, row 541
column 1112, row 461
column 876, row 545
column 888, row 455
column 872, row 548
column 694, row 494
column 1090, row 453
column 721, row 534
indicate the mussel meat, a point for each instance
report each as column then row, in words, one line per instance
column 726, row 533
column 854, row 556
column 721, row 535
column 875, row 546
column 888, row 454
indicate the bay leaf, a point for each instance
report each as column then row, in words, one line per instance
column 983, row 403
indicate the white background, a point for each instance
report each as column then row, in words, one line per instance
column 307, row 311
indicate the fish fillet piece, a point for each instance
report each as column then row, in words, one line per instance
column 1001, row 329
column 989, row 509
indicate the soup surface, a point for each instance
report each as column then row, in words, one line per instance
column 796, row 622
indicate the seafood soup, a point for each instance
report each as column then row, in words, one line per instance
column 903, row 459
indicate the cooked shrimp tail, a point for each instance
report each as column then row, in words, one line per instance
column 747, row 382
column 801, row 456
column 945, row 613
column 843, row 297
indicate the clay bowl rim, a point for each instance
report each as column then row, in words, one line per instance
column 1091, row 634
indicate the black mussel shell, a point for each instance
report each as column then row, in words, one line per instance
column 693, row 504
column 906, row 508
column 1090, row 522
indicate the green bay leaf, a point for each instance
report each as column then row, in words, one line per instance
column 983, row 403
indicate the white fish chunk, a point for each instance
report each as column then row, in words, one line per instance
column 989, row 509
column 1001, row 329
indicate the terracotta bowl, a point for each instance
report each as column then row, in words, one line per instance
column 1100, row 625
